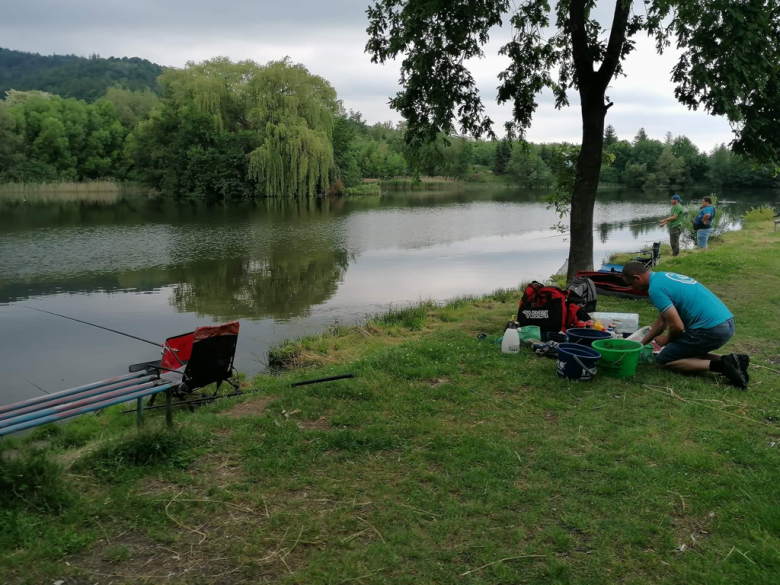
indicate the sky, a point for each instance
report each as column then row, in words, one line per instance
column 328, row 36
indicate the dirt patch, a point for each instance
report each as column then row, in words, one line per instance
column 249, row 408
column 133, row 556
column 69, row 458
column 321, row 424
column 438, row 381
column 689, row 531
column 219, row 469
column 551, row 416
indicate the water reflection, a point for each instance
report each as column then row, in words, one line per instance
column 282, row 285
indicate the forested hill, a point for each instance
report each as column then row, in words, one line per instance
column 85, row 78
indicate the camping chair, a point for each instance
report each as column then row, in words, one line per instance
column 651, row 256
column 202, row 357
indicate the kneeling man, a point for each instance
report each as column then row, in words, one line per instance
column 697, row 322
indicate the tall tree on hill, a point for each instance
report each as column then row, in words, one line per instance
column 503, row 154
column 610, row 136
column 725, row 67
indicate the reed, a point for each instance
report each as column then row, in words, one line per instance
column 102, row 191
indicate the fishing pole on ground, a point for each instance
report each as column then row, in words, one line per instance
column 321, row 380
column 235, row 394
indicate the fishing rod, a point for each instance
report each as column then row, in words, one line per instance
column 93, row 325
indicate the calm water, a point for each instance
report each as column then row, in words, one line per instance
column 158, row 268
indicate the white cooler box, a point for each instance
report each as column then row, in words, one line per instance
column 624, row 322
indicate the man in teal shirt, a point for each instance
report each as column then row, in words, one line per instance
column 704, row 223
column 697, row 321
column 675, row 221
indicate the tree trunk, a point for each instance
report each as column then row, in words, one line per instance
column 586, row 182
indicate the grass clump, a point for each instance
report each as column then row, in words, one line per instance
column 762, row 213
column 117, row 554
column 411, row 318
column 366, row 189
column 30, row 479
column 145, row 450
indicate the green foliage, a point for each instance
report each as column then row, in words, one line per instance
column 367, row 189
column 762, row 213
column 528, row 169
column 70, row 76
column 344, row 157
column 503, row 156
column 30, row 479
column 60, row 139
column 562, row 160
column 132, row 106
column 238, row 129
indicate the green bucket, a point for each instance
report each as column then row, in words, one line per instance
column 619, row 357
column 530, row 333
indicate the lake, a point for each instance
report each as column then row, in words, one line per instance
column 156, row 268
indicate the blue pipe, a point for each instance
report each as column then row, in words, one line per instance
column 84, row 410
column 58, row 401
column 72, row 404
column 40, row 399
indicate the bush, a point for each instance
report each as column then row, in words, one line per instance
column 367, row 189
column 154, row 449
column 32, row 480
column 763, row 213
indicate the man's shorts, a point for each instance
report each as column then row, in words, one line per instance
column 694, row 343
column 703, row 237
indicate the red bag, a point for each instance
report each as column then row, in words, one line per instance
column 550, row 309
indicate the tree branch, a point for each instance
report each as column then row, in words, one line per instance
column 617, row 37
column 583, row 59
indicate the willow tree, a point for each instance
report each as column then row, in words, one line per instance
column 291, row 110
column 729, row 65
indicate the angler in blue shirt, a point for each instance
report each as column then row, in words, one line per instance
column 697, row 321
column 704, row 223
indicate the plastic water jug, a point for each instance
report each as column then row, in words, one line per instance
column 511, row 342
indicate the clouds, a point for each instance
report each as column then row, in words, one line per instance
column 328, row 36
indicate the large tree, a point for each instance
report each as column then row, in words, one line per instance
column 239, row 129
column 729, row 64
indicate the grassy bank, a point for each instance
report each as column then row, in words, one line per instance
column 368, row 189
column 443, row 461
column 89, row 191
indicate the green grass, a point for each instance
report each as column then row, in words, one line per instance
column 442, row 461
column 366, row 189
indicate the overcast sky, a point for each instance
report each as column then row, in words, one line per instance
column 328, row 36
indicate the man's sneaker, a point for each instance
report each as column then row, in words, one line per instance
column 733, row 371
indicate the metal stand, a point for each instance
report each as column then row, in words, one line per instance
column 139, row 413
column 169, row 409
